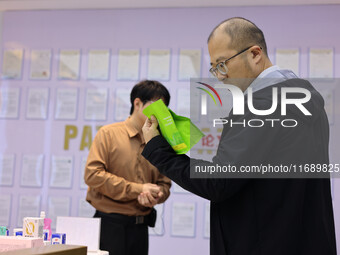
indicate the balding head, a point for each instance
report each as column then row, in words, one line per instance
column 242, row 32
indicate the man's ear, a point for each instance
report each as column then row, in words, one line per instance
column 137, row 103
column 257, row 53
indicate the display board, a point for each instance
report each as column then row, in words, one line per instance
column 64, row 74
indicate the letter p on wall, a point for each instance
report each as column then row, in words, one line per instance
column 71, row 132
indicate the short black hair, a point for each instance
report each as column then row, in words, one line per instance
column 147, row 90
column 243, row 33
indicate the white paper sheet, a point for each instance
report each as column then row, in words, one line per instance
column 58, row 206
column 61, row 172
column 288, row 59
column 85, row 209
column 40, row 64
column 321, row 63
column 189, row 64
column 96, row 104
column 82, row 183
column 69, row 64
column 6, row 169
column 9, row 103
column 80, row 231
column 206, row 233
column 98, row 65
column 32, row 169
column 66, row 104
column 5, row 209
column 183, row 219
column 29, row 206
column 12, row 64
column 159, row 65
column 37, row 103
column 183, row 102
column 158, row 230
column 122, row 104
column 128, row 65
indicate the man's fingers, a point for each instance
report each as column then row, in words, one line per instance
column 151, row 199
column 147, row 122
column 150, row 128
column 160, row 194
column 154, row 190
column 154, row 122
column 147, row 199
column 144, row 200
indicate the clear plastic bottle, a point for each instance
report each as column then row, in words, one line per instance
column 47, row 225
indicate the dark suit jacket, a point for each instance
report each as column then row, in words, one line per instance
column 261, row 216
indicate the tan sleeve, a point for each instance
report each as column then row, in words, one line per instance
column 165, row 184
column 97, row 178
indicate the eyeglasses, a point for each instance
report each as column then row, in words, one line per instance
column 222, row 67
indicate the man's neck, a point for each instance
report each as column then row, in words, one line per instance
column 265, row 66
column 136, row 123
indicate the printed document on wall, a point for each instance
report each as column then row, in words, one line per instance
column 12, row 64
column 6, row 169
column 183, row 219
column 5, row 202
column 29, row 206
column 159, row 65
column 288, row 59
column 128, row 65
column 122, row 109
column 69, row 64
column 321, row 63
column 9, row 103
column 58, row 206
column 32, row 170
column 61, row 172
column 40, row 64
column 189, row 64
column 66, row 104
column 96, row 104
column 37, row 103
column 98, row 65
column 183, row 102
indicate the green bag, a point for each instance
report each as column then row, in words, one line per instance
column 179, row 131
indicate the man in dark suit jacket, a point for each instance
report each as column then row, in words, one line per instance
column 259, row 216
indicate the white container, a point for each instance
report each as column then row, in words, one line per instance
column 17, row 232
column 33, row 227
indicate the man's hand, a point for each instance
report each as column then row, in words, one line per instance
column 151, row 188
column 147, row 200
column 150, row 195
column 150, row 128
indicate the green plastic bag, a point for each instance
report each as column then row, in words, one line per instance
column 179, row 131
